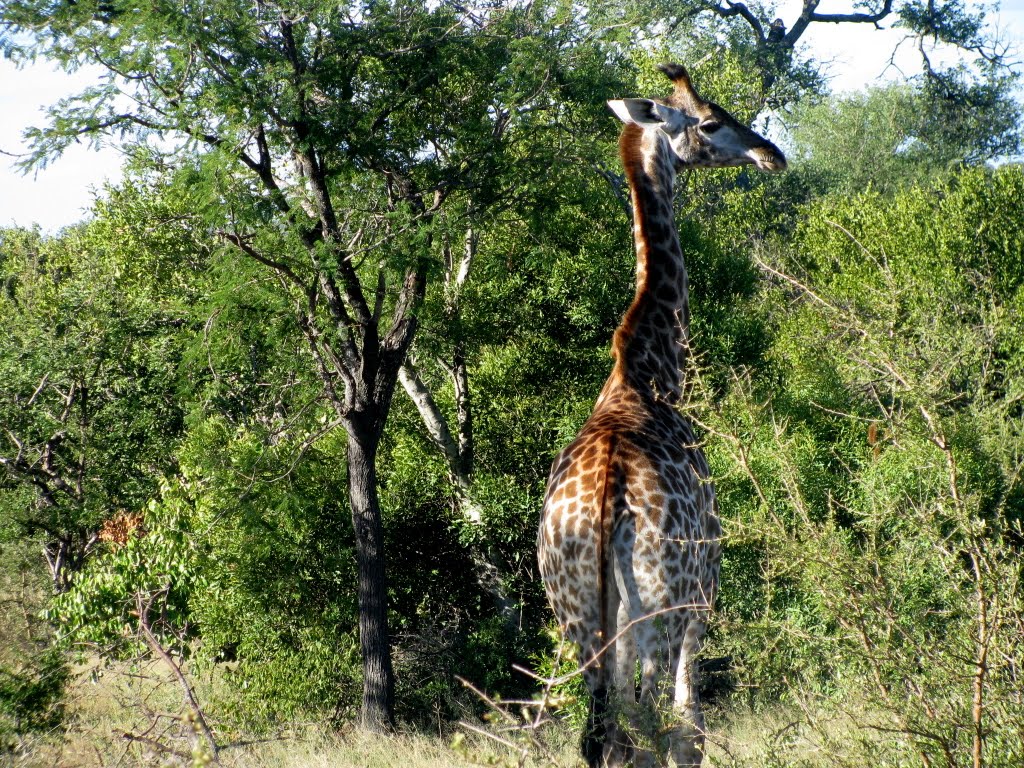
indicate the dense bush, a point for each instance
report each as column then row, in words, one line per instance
column 870, row 475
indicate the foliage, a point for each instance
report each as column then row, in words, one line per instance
column 91, row 323
column 155, row 556
column 277, row 604
column 339, row 147
column 323, row 179
column 971, row 117
column 32, row 699
column 893, row 136
column 33, row 675
column 876, row 471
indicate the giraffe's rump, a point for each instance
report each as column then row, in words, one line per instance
column 629, row 519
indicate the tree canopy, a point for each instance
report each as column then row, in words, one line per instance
column 286, row 403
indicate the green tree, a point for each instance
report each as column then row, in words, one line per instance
column 335, row 146
column 89, row 364
column 768, row 45
column 892, row 136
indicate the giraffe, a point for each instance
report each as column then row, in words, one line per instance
column 628, row 545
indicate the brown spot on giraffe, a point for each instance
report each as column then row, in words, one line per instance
column 629, row 545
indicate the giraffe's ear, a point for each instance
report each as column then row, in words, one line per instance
column 642, row 112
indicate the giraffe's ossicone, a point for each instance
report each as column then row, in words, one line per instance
column 629, row 541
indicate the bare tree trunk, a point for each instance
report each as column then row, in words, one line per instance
column 455, row 440
column 464, row 410
column 66, row 553
column 378, row 675
column 434, row 421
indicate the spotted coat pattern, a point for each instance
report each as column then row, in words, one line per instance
column 628, row 545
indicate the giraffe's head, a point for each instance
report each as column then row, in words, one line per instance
column 699, row 133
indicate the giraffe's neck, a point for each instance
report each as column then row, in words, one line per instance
column 650, row 346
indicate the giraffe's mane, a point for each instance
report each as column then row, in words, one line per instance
column 655, row 325
column 630, row 151
column 631, row 154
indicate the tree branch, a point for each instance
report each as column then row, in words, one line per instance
column 740, row 9
column 341, row 407
column 854, row 18
column 403, row 324
column 238, row 241
column 143, row 606
column 433, row 420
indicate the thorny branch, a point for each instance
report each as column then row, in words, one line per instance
column 144, row 604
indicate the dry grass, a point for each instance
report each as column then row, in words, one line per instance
column 361, row 750
column 311, row 749
column 106, row 703
column 808, row 732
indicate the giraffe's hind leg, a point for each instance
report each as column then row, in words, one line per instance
column 595, row 733
column 604, row 656
column 619, row 744
column 687, row 735
column 604, row 744
column 645, row 645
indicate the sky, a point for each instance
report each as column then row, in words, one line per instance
column 857, row 55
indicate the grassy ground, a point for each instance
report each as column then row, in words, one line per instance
column 127, row 716
column 307, row 750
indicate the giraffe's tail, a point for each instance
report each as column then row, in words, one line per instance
column 608, row 490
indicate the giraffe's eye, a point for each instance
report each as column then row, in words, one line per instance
column 710, row 126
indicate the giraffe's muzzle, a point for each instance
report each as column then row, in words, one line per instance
column 770, row 160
